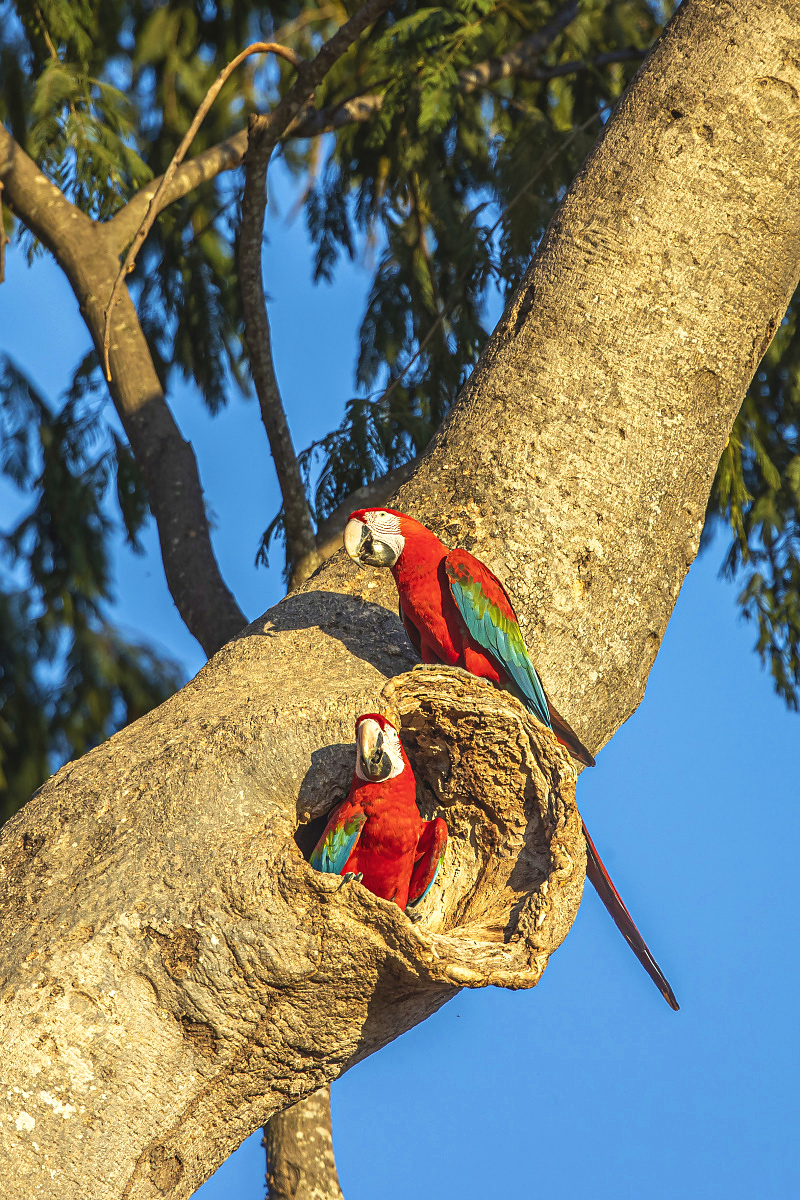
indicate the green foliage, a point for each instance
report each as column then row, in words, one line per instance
column 68, row 678
column 100, row 94
column 451, row 188
column 79, row 135
column 444, row 192
column 757, row 494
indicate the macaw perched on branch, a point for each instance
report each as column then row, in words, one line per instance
column 377, row 834
column 457, row 612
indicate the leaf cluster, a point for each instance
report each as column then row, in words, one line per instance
column 99, row 93
column 450, row 188
column 757, row 494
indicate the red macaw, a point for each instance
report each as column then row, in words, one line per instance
column 377, row 834
column 457, row 612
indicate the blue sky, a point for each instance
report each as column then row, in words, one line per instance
column 589, row 1084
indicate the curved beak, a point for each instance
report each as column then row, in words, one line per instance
column 356, row 535
column 364, row 548
column 375, row 762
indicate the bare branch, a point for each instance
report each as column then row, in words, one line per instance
column 225, row 156
column 309, row 17
column 589, row 64
column 264, row 133
column 519, row 57
column 301, row 548
column 228, row 155
column 154, row 207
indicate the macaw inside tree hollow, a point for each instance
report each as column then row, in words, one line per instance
column 377, row 832
column 457, row 612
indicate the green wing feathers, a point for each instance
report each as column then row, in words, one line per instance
column 490, row 618
column 339, row 840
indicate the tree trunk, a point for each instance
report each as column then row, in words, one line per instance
column 172, row 972
column 299, row 1146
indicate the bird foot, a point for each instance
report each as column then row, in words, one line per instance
column 352, row 877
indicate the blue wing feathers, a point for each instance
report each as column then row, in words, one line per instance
column 419, row 899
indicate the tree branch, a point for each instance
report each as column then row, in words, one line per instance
column 590, row 64
column 301, row 546
column 310, row 122
column 521, row 57
column 264, row 133
column 168, row 465
column 225, row 156
column 361, row 108
column 155, row 206
column 43, row 208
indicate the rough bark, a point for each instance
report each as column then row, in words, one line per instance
column 202, row 976
column 299, row 1146
column 172, row 971
column 88, row 253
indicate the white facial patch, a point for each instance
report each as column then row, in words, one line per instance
column 385, row 527
column 381, row 522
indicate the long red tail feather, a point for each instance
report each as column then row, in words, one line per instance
column 623, row 920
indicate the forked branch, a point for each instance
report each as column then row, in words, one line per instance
column 155, row 206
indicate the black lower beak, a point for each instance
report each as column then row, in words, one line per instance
column 374, row 553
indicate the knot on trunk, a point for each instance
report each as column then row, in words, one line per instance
column 512, row 877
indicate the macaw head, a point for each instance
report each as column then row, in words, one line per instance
column 379, row 755
column 374, row 537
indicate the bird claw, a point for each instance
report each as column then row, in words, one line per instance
column 352, row 877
